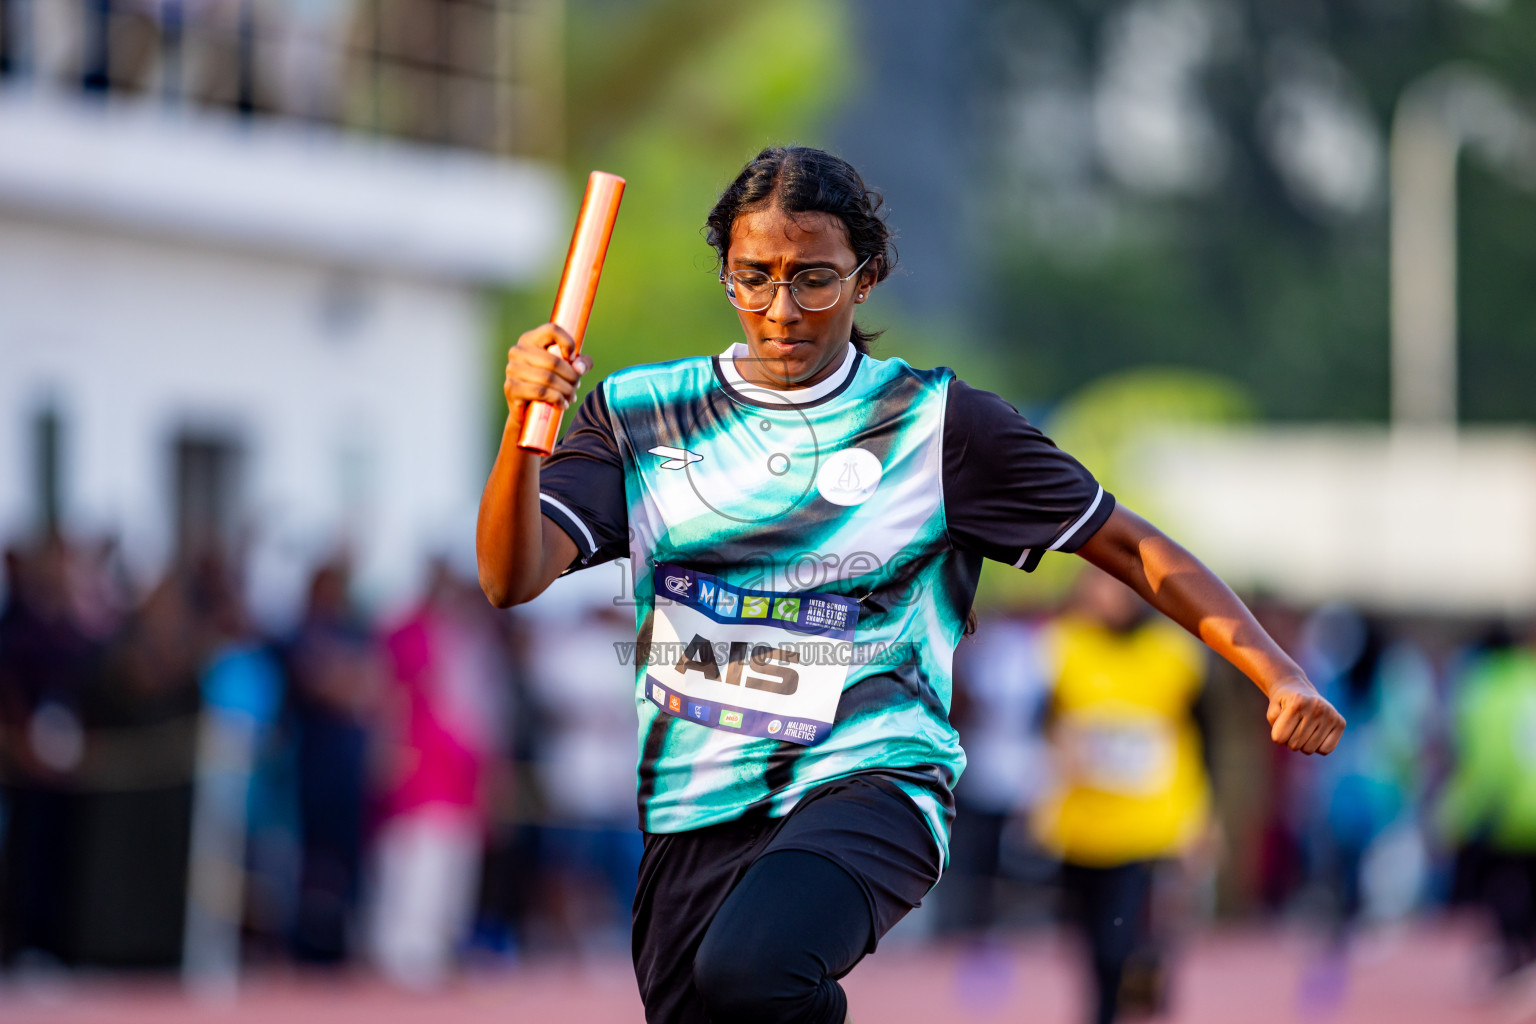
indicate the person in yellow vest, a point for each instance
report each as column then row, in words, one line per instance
column 1131, row 787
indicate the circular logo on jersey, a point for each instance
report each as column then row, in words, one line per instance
column 774, row 727
column 849, row 477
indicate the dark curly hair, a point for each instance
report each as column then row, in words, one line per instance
column 799, row 179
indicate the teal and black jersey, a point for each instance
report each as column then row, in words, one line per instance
column 804, row 562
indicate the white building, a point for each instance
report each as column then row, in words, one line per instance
column 219, row 323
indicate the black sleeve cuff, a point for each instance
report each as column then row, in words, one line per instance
column 571, row 523
column 1076, row 533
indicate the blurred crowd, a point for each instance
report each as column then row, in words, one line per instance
column 1123, row 782
column 182, row 789
column 454, row 785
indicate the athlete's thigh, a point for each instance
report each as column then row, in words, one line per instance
column 867, row 826
column 795, row 923
column 684, row 879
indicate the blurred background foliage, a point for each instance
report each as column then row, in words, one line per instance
column 1260, row 258
column 1082, row 254
column 659, row 96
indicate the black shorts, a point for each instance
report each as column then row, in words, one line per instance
column 863, row 824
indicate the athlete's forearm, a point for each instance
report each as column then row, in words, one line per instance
column 1180, row 586
column 509, row 535
column 518, row 551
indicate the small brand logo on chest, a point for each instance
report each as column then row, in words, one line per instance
column 675, row 458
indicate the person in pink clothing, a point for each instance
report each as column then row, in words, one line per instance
column 448, row 721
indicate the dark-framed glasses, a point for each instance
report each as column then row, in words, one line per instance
column 813, row 289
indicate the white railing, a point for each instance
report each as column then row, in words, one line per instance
column 473, row 74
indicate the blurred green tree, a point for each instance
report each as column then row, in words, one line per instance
column 675, row 95
column 1203, row 183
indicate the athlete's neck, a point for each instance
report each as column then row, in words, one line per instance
column 761, row 369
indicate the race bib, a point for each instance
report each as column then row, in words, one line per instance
column 1130, row 758
column 748, row 661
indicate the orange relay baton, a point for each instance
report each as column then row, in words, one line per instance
column 578, row 287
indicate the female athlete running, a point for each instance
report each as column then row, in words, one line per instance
column 806, row 524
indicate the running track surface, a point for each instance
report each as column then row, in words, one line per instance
column 1423, row 974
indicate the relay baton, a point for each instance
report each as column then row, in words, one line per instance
column 578, row 287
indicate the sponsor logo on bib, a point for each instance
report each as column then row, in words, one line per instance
column 774, row 726
column 787, row 608
column 678, row 584
column 731, row 719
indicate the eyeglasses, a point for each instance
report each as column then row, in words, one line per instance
column 814, row 289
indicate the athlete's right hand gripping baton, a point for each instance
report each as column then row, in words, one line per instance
column 578, row 287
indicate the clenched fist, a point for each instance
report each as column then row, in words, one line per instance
column 540, row 369
column 1301, row 719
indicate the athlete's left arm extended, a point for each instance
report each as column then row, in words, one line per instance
column 1177, row 584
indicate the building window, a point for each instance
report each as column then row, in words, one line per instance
column 48, row 469
column 208, row 470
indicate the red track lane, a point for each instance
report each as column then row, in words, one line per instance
column 1422, row 975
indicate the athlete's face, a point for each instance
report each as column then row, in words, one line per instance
column 793, row 348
